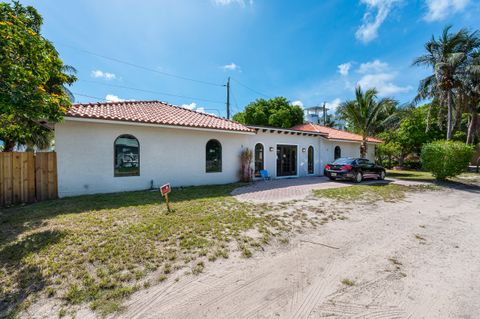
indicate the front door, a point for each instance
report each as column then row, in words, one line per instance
column 286, row 160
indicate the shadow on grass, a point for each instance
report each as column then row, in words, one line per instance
column 459, row 185
column 28, row 278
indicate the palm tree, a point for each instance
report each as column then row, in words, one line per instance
column 470, row 93
column 364, row 114
column 446, row 55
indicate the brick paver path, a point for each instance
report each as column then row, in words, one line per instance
column 281, row 190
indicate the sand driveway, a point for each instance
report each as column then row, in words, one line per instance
column 417, row 258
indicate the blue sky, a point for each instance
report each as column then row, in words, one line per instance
column 308, row 51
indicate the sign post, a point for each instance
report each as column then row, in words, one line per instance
column 165, row 189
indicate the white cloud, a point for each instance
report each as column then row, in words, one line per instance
column 333, row 105
column 193, row 106
column 373, row 66
column 113, row 98
column 440, row 9
column 298, row 103
column 368, row 31
column 344, row 68
column 383, row 83
column 103, row 75
column 241, row 3
column 190, row 106
column 231, row 67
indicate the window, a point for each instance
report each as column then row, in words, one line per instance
column 127, row 156
column 213, row 156
column 311, row 169
column 258, row 159
column 338, row 152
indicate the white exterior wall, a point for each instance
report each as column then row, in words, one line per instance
column 85, row 157
column 349, row 149
column 302, row 142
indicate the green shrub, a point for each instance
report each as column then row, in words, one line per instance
column 446, row 158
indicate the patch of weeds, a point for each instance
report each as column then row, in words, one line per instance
column 371, row 193
column 162, row 278
column 167, row 268
column 198, row 268
column 246, row 253
column 62, row 312
column 50, row 291
column 284, row 240
column 348, row 282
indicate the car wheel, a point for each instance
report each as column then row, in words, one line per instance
column 358, row 177
column 332, row 178
column 381, row 176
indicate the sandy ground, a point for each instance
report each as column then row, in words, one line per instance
column 418, row 258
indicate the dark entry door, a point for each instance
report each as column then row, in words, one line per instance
column 286, row 160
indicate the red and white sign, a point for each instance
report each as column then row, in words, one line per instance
column 165, row 189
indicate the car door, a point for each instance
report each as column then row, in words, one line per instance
column 362, row 165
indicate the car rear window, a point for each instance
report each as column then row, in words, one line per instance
column 343, row 161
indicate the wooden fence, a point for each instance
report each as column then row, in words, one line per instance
column 27, row 177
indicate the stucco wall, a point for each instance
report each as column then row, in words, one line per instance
column 302, row 142
column 348, row 149
column 85, row 157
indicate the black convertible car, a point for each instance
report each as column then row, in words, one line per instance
column 354, row 168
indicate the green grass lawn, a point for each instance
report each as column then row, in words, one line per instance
column 422, row 176
column 370, row 193
column 99, row 249
column 411, row 175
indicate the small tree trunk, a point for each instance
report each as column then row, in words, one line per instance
column 449, row 115
column 472, row 127
column 363, row 148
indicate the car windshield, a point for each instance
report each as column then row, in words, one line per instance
column 343, row 161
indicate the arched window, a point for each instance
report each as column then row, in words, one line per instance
column 259, row 160
column 311, row 167
column 213, row 156
column 338, row 152
column 126, row 156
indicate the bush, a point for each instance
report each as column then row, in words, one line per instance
column 446, row 158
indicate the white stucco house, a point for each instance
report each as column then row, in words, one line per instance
column 136, row 145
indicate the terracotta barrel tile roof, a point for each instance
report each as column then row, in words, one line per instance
column 333, row 133
column 153, row 112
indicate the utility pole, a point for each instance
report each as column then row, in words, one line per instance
column 324, row 114
column 228, row 98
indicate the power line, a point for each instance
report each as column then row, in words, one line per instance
column 142, row 67
column 89, row 96
column 249, row 88
column 154, row 92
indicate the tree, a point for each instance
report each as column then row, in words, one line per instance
column 276, row 112
column 448, row 56
column 32, row 77
column 412, row 134
column 362, row 114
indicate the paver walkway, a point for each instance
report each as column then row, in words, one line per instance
column 281, row 190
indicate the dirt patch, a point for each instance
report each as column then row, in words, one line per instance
column 390, row 272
